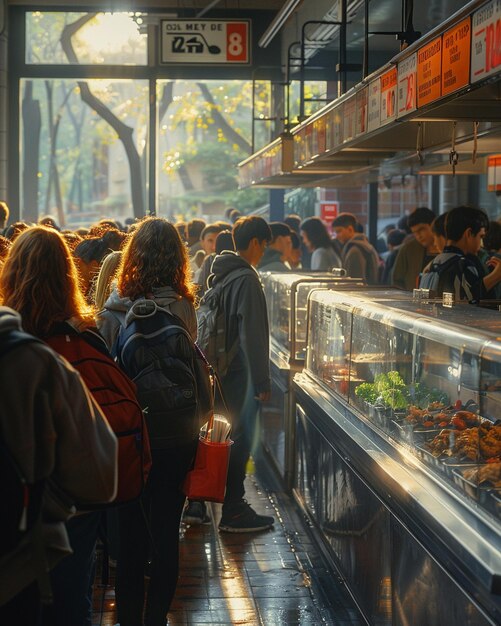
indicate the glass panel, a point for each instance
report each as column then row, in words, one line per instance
column 205, row 130
column 328, row 355
column 75, row 166
column 98, row 39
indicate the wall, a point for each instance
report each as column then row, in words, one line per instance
column 3, row 115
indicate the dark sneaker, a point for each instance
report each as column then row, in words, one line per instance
column 196, row 513
column 241, row 518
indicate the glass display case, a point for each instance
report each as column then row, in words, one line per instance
column 286, row 297
column 429, row 377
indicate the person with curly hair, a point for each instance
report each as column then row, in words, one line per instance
column 154, row 265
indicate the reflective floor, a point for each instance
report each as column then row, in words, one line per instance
column 269, row 578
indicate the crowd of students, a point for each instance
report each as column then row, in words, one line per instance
column 87, row 283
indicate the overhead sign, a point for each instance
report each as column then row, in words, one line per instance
column 456, row 57
column 406, row 92
column 349, row 118
column 205, row 41
column 374, row 105
column 362, row 105
column 486, row 41
column 389, row 96
column 429, row 78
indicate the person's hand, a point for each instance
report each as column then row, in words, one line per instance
column 495, row 264
column 264, row 396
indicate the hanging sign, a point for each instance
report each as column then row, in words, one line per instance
column 204, row 41
column 429, row 79
column 486, row 41
column 362, row 102
column 336, row 116
column 494, row 172
column 349, row 118
column 388, row 96
column 406, row 92
column 374, row 105
column 456, row 57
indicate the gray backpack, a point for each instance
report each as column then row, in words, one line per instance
column 211, row 318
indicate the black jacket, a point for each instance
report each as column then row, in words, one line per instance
column 246, row 319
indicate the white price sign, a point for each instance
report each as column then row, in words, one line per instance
column 205, row 41
column 374, row 111
column 349, row 119
column 407, row 85
column 486, row 41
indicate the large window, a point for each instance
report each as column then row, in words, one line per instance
column 85, row 38
column 84, row 150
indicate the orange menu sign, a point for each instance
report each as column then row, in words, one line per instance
column 456, row 57
column 429, row 77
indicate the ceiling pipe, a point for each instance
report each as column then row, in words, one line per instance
column 278, row 21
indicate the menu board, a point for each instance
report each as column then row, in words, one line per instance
column 486, row 41
column 374, row 105
column 298, row 147
column 319, row 137
column 388, row 96
column 406, row 88
column 456, row 57
column 429, row 79
column 349, row 119
column 362, row 100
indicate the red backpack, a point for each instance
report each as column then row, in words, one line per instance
column 116, row 395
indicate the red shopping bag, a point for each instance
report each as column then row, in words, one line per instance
column 207, row 479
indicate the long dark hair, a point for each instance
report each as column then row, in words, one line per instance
column 316, row 232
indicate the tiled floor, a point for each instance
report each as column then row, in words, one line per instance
column 267, row 578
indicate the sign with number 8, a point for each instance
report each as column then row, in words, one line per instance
column 237, row 42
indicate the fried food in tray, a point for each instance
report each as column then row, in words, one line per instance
column 479, row 444
column 488, row 475
column 443, row 417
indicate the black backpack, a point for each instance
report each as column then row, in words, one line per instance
column 22, row 502
column 173, row 379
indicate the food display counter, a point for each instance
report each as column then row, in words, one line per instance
column 398, row 454
column 287, row 297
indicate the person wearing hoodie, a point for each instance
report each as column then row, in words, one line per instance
column 247, row 379
column 278, row 250
column 360, row 259
column 40, row 269
column 154, row 265
column 43, row 426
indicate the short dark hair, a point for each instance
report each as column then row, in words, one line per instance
column 247, row 228
column 403, row 223
column 279, row 229
column 316, row 232
column 492, row 239
column 438, row 225
column 461, row 218
column 224, row 241
column 293, row 221
column 296, row 241
column 344, row 220
column 211, row 228
column 396, row 237
column 234, row 215
column 195, row 228
column 421, row 215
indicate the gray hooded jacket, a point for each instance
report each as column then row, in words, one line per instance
column 360, row 259
column 117, row 312
column 246, row 319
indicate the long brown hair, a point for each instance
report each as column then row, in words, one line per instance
column 155, row 257
column 40, row 281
